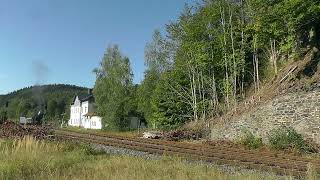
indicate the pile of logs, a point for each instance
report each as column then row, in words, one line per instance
column 13, row 130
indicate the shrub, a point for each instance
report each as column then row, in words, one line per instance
column 3, row 116
column 249, row 140
column 287, row 138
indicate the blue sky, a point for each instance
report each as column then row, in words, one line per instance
column 62, row 41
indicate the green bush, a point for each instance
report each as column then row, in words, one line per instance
column 287, row 138
column 249, row 140
column 3, row 116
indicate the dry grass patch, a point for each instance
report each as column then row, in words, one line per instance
column 32, row 159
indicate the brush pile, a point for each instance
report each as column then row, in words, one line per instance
column 190, row 131
column 183, row 134
column 13, row 130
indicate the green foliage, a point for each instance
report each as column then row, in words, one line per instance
column 52, row 106
column 170, row 109
column 204, row 64
column 157, row 53
column 113, row 90
column 23, row 108
column 287, row 138
column 157, row 60
column 249, row 140
column 145, row 93
column 3, row 116
column 289, row 22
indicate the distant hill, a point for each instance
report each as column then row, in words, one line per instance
column 54, row 99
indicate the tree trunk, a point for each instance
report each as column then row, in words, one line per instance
column 214, row 96
column 194, row 96
column 193, row 92
column 242, row 50
column 254, row 72
column 234, row 61
column 214, row 92
column 274, row 55
column 199, row 85
column 203, row 97
column 256, row 61
column 225, row 56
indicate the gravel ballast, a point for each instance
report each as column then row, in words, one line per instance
column 224, row 168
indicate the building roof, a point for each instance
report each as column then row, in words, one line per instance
column 87, row 98
column 83, row 98
column 90, row 114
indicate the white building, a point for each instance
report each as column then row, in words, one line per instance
column 82, row 113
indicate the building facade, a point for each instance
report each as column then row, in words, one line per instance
column 82, row 113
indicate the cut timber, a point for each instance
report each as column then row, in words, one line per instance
column 286, row 76
column 152, row 135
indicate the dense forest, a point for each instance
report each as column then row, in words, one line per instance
column 54, row 99
column 207, row 61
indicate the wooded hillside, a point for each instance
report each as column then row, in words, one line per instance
column 56, row 99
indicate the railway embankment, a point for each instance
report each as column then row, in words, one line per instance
column 218, row 152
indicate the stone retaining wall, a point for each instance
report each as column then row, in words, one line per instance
column 298, row 110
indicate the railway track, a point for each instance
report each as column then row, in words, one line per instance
column 220, row 153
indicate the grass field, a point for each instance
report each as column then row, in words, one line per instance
column 32, row 159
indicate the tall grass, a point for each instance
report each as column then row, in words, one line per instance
column 32, row 159
column 312, row 173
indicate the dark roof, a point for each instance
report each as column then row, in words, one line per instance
column 84, row 98
column 90, row 114
column 88, row 98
